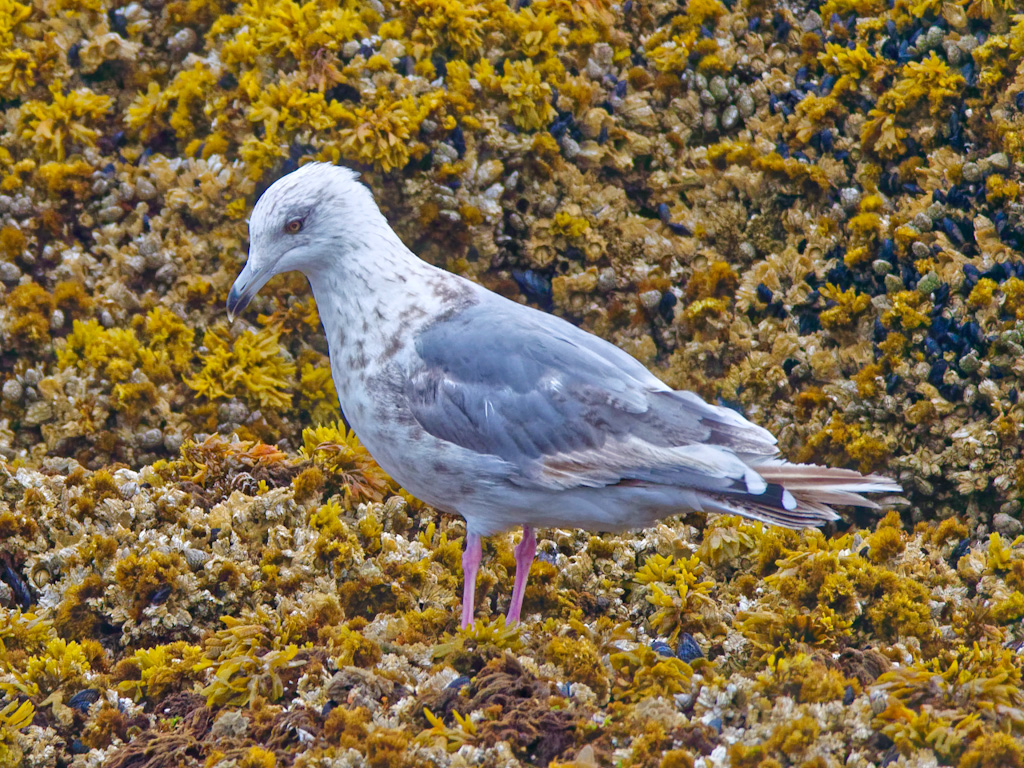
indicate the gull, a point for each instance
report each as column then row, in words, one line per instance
column 503, row 414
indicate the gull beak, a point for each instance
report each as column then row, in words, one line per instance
column 239, row 296
column 245, row 287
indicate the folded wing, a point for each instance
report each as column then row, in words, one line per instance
column 567, row 409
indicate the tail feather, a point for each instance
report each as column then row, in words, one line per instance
column 812, row 477
column 812, row 490
column 803, row 516
column 846, row 498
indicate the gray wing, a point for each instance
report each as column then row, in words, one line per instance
column 568, row 409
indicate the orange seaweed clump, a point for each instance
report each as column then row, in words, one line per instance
column 142, row 577
column 581, row 662
column 14, row 716
column 308, row 485
column 888, row 540
column 258, row 757
column 347, row 727
column 63, row 122
column 868, row 379
column 848, row 305
column 909, row 311
column 346, row 465
column 788, row 740
column 804, row 678
column 949, row 529
column 251, row 661
column 29, row 307
column 718, row 280
column 642, row 673
column 12, row 242
column 982, row 293
column 336, row 544
column 71, row 297
column 252, row 367
column 153, row 673
column 951, row 698
column 75, row 617
column 842, row 444
column 993, row 750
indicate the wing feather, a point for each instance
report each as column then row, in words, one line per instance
column 568, row 409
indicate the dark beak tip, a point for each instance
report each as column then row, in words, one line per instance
column 235, row 304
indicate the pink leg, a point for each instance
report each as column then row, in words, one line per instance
column 525, row 551
column 470, row 565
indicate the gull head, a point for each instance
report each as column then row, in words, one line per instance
column 305, row 221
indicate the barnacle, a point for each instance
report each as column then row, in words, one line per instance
column 813, row 216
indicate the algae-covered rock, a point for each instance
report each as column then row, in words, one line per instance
column 809, row 214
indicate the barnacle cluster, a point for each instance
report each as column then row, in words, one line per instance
column 205, row 601
column 812, row 214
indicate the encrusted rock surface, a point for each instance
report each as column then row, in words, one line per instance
column 810, row 213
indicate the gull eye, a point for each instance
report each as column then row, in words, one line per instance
column 293, row 226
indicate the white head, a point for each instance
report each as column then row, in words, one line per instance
column 305, row 221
